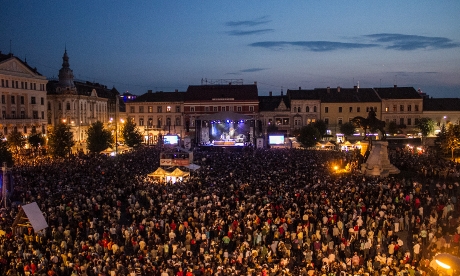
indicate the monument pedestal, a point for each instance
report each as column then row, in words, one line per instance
column 378, row 163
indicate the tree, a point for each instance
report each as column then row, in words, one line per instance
column 99, row 138
column 348, row 129
column 452, row 139
column 321, row 126
column 308, row 136
column 5, row 153
column 16, row 141
column 131, row 134
column 60, row 140
column 36, row 140
column 425, row 126
column 393, row 128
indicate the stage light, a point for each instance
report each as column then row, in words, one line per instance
column 228, row 121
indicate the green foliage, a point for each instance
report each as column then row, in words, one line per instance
column 131, row 134
column 452, row 138
column 425, row 126
column 36, row 139
column 393, row 128
column 321, row 126
column 5, row 153
column 60, row 140
column 272, row 128
column 99, row 138
column 16, row 141
column 347, row 129
column 308, row 136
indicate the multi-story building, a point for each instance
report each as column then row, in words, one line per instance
column 402, row 105
column 340, row 105
column 157, row 114
column 305, row 107
column 442, row 111
column 275, row 113
column 23, row 97
column 79, row 104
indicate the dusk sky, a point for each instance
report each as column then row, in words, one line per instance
column 167, row 45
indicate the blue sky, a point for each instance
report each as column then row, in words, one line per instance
column 167, row 45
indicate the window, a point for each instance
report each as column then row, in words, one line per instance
column 6, row 82
column 409, row 107
column 239, row 108
column 206, row 108
column 60, row 106
column 326, row 121
column 3, row 99
column 409, row 121
column 416, row 121
column 67, row 106
column 307, row 109
column 358, row 109
column 285, row 121
column 13, row 114
column 314, row 108
column 159, row 109
column 192, row 109
column 141, row 122
column 350, row 109
column 386, row 109
column 23, row 114
column 25, row 85
column 168, row 121
column 159, row 123
column 340, row 121
column 150, row 109
column 13, row 100
column 3, row 83
column 43, row 115
column 326, row 109
column 215, row 109
column 340, row 109
column 32, row 100
column 35, row 114
column 131, row 109
column 42, row 101
column 251, row 108
column 394, row 108
column 49, row 106
column 416, row 107
column 168, row 108
column 177, row 121
column 401, row 121
column 401, row 107
column 12, row 84
column 177, row 108
column 141, row 109
column 3, row 114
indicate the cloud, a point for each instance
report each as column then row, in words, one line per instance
column 251, row 32
column 404, row 42
column 252, row 70
column 314, row 46
column 248, row 23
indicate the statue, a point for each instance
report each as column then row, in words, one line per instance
column 371, row 123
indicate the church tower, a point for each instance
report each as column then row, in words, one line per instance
column 66, row 82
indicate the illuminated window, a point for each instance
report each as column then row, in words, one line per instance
column 168, row 109
column 386, row 109
column 150, row 109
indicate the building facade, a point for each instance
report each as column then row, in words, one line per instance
column 157, row 114
column 79, row 103
column 23, row 97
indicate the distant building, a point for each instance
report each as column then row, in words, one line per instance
column 157, row 113
column 402, row 105
column 127, row 97
column 442, row 111
column 79, row 103
column 275, row 113
column 23, row 97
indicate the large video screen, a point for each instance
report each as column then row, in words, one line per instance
column 171, row 140
column 276, row 139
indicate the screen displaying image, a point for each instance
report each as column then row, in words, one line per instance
column 276, row 139
column 171, row 139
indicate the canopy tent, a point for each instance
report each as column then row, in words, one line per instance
column 223, row 116
column 158, row 173
column 179, row 173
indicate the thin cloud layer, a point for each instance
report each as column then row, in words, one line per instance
column 252, row 70
column 250, row 32
column 404, row 42
column 314, row 46
column 248, row 23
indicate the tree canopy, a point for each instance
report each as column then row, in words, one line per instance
column 5, row 153
column 60, row 140
column 348, row 129
column 308, row 136
column 99, row 138
column 131, row 134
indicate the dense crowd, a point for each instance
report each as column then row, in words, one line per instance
column 254, row 212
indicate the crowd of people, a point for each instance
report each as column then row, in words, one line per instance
column 252, row 212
